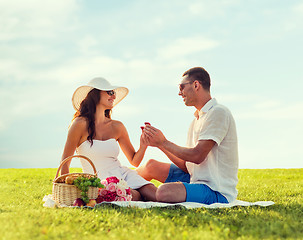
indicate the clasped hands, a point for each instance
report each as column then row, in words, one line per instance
column 152, row 136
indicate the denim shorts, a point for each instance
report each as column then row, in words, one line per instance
column 195, row 192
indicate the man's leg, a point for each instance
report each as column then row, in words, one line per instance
column 181, row 192
column 154, row 169
column 171, row 192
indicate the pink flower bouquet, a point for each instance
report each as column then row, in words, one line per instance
column 114, row 190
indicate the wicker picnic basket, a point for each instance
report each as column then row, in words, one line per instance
column 66, row 194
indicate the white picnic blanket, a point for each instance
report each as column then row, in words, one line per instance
column 49, row 202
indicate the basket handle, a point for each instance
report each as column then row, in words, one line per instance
column 74, row 156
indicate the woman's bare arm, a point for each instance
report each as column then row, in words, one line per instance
column 135, row 158
column 75, row 135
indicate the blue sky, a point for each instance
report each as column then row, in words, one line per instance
column 252, row 50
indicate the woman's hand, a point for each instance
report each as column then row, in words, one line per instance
column 144, row 143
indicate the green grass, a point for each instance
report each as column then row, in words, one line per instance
column 22, row 215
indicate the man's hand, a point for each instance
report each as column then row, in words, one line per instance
column 154, row 136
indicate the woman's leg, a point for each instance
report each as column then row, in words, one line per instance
column 136, row 196
column 154, row 169
column 148, row 192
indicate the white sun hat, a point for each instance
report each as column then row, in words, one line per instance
column 101, row 84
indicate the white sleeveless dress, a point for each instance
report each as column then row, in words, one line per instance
column 104, row 155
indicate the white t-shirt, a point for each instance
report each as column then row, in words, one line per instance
column 219, row 170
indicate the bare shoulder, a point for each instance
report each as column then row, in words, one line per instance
column 79, row 123
column 117, row 125
column 119, row 128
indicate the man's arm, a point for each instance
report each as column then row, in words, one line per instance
column 177, row 161
column 196, row 154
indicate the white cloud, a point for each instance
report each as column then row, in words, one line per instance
column 33, row 18
column 252, row 106
column 298, row 8
column 284, row 20
column 26, row 63
column 210, row 9
column 87, row 44
column 269, row 104
column 281, row 111
column 290, row 111
column 293, row 18
column 30, row 32
column 186, row 46
column 2, row 125
column 29, row 101
column 133, row 72
column 237, row 98
column 42, row 91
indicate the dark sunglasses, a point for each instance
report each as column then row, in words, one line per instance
column 111, row 92
column 182, row 85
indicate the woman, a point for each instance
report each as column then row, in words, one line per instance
column 94, row 134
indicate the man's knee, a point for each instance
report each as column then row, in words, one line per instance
column 163, row 193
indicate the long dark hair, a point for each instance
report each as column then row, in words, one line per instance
column 88, row 109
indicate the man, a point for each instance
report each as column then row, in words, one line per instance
column 206, row 170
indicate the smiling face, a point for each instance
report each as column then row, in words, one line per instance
column 107, row 98
column 186, row 91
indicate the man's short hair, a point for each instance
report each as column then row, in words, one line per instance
column 199, row 74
